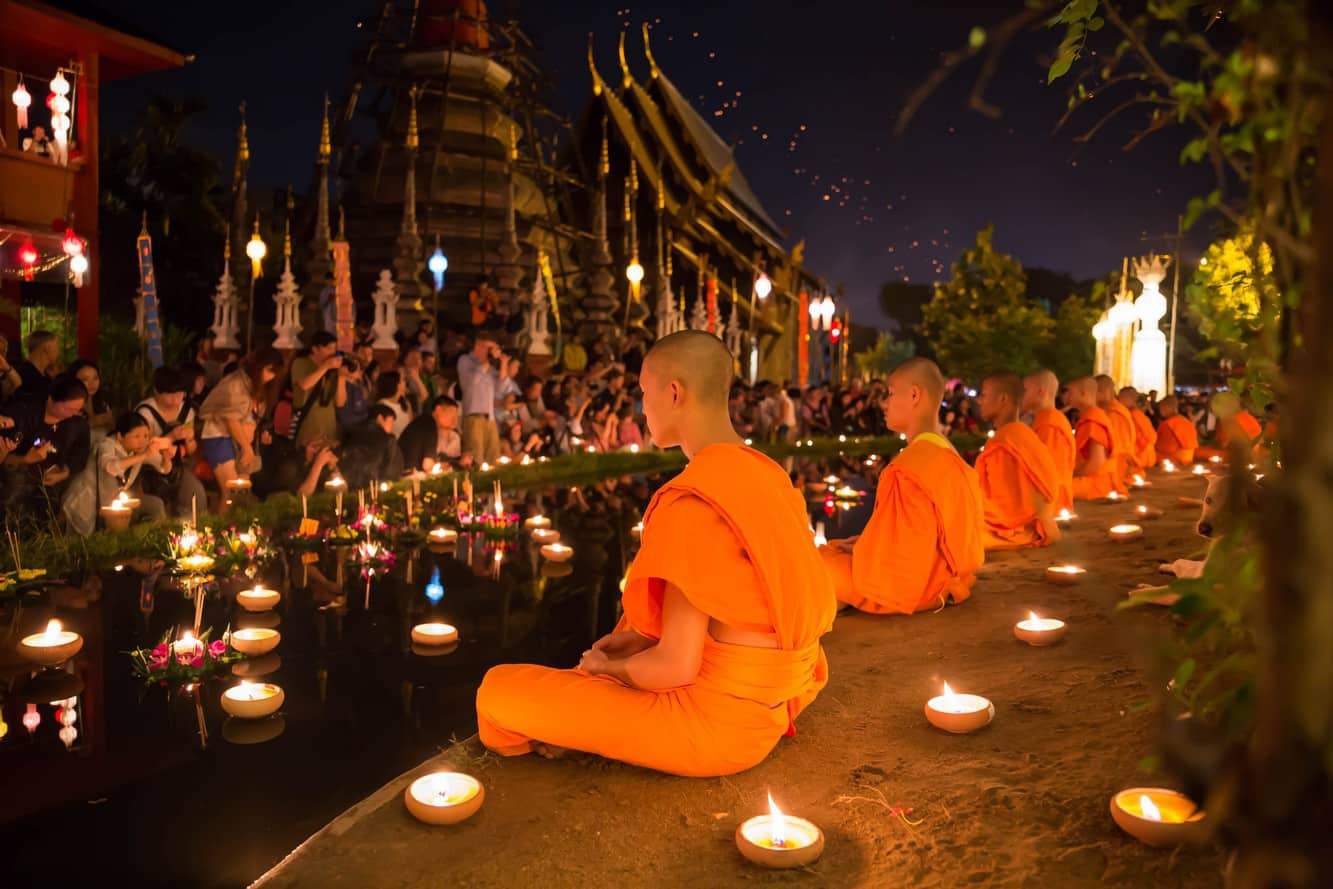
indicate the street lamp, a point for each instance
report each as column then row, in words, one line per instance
column 256, row 249
column 762, row 286
column 438, row 265
column 827, row 310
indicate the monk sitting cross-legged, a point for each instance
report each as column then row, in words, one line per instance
column 1145, row 436
column 1094, row 473
column 1177, row 439
column 922, row 546
column 1016, row 472
column 1122, row 432
column 718, row 649
column 1052, row 429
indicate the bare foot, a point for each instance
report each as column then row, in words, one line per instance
column 549, row 751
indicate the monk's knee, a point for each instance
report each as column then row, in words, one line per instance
column 501, row 688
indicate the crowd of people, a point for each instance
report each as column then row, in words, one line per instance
column 287, row 425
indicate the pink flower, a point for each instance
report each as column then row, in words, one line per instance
column 217, row 648
column 157, row 663
column 160, row 652
column 197, row 660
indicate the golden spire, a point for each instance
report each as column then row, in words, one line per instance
column 648, row 51
column 226, row 249
column 342, row 225
column 287, row 228
column 628, row 191
column 633, row 176
column 597, row 84
column 626, row 78
column 325, row 145
column 513, row 141
column 604, row 163
column 413, row 139
column 242, row 140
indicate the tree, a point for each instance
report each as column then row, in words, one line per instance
column 884, row 356
column 979, row 321
column 903, row 303
column 1071, row 350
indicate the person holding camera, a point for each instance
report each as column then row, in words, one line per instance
column 319, row 388
column 170, row 415
column 52, row 444
column 479, row 380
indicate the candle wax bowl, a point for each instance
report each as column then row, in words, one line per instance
column 1145, row 513
column 258, row 599
column 1043, row 631
column 553, row 570
column 253, row 701
column 1065, row 575
column 50, row 649
column 442, row 537
column 433, row 650
column 978, row 714
column 556, row 552
column 253, row 731
column 117, row 519
column 537, row 521
column 255, row 667
column 444, row 797
column 804, row 842
column 267, row 620
column 434, row 634
column 1180, row 819
column 255, row 641
column 545, row 535
column 1122, row 533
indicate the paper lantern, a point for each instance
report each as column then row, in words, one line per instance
column 22, row 101
column 762, row 286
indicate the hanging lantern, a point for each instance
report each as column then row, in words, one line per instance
column 1123, row 313
column 762, row 286
column 634, row 272
column 22, row 101
column 59, row 85
column 78, row 267
column 60, row 105
column 32, row 719
column 438, row 265
column 256, row 249
column 28, row 256
column 73, row 244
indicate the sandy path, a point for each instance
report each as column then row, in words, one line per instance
column 1022, row 803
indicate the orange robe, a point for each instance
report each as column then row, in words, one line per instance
column 1018, row 481
column 922, row 545
column 1094, row 426
column 1052, row 428
column 1145, row 440
column 1177, row 440
column 1122, row 431
column 732, row 534
column 1246, row 423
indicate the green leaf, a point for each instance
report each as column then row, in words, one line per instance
column 976, row 38
column 1060, row 67
column 1095, row 23
column 1184, row 672
column 1194, row 151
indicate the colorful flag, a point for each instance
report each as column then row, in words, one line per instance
column 148, row 292
column 346, row 308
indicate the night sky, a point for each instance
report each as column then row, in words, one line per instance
column 809, row 92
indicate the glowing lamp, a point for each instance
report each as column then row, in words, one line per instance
column 22, row 101
column 1123, row 313
column 959, row 714
column 826, row 309
column 762, row 286
column 256, row 249
column 78, row 264
column 1039, row 631
column 59, row 85
column 28, row 254
column 1158, row 817
column 444, row 797
column 634, row 272
column 779, row 841
column 438, row 265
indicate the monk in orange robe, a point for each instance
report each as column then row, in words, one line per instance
column 1016, row 472
column 1094, row 444
column 1242, row 424
column 1145, row 436
column 1177, row 439
column 718, row 650
column 1122, row 431
column 922, row 546
column 1053, row 430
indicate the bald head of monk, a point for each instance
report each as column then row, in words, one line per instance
column 686, row 379
column 1039, row 391
column 1105, row 389
column 1129, row 397
column 1168, row 407
column 1001, row 397
column 1081, row 393
column 912, row 405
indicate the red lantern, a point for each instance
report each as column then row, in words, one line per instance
column 73, row 244
column 28, row 256
column 835, row 332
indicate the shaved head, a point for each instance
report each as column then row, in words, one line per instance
column 697, row 360
column 1129, row 396
column 1001, row 397
column 1105, row 389
column 1039, row 391
column 1081, row 393
column 920, row 372
column 1168, row 406
column 1007, row 384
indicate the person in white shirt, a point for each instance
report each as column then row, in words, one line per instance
column 169, row 415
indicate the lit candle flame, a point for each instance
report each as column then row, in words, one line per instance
column 948, row 692
column 485, row 467
column 499, row 507
column 820, row 539
column 1149, row 808
column 1032, row 616
column 777, row 824
column 53, row 629
column 437, row 469
column 1138, row 480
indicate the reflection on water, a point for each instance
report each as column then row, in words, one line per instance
column 106, row 775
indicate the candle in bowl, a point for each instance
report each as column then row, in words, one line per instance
column 1200, row 469
column 1065, row 575
column 444, row 797
column 132, row 502
column 258, row 599
column 959, row 714
column 1215, row 459
column 52, row 646
column 636, row 531
column 255, row 641
column 779, row 841
column 1168, row 466
column 434, row 634
column 1157, row 817
column 557, row 552
column 196, row 563
column 545, row 535
column 1122, row 533
column 253, row 731
column 1140, row 482
column 336, row 484
column 116, row 515
column 239, row 484
column 442, row 536
column 1064, row 516
column 187, row 646
column 1113, row 497
column 1040, row 630
column 1144, row 512
column 536, row 521
column 252, row 700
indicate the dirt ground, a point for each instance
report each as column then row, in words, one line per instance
column 1023, row 803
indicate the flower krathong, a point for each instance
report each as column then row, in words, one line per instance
column 240, row 549
column 374, row 558
column 25, row 580
column 182, row 660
